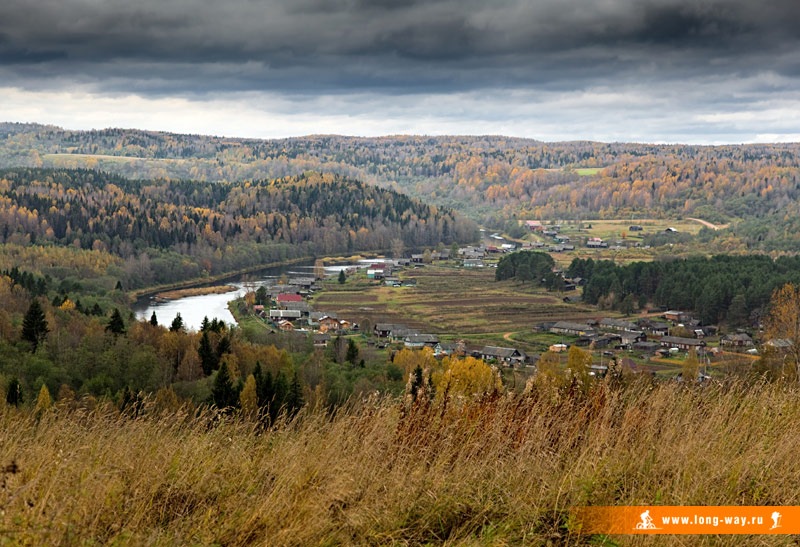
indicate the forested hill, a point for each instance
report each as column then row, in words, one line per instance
column 196, row 228
column 496, row 180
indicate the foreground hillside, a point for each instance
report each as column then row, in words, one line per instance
column 503, row 470
column 496, row 180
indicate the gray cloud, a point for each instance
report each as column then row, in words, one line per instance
column 740, row 53
column 388, row 43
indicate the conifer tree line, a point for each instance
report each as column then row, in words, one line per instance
column 529, row 267
column 728, row 289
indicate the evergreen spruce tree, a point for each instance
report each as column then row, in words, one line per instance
column 262, row 297
column 177, row 324
column 342, row 277
column 417, row 382
column 154, row 319
column 280, row 392
column 14, row 393
column 223, row 347
column 34, row 325
column 224, row 393
column 258, row 374
column 116, row 325
column 352, row 352
column 294, row 398
column 265, row 390
column 208, row 357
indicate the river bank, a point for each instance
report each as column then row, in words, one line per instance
column 201, row 282
column 195, row 291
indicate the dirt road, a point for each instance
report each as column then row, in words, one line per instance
column 707, row 224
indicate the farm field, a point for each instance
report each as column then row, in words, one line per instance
column 450, row 300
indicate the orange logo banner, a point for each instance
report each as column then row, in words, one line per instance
column 695, row 519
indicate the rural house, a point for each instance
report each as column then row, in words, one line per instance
column 618, row 325
column 740, row 340
column 505, row 356
column 683, row 343
column 328, row 324
column 573, row 329
column 418, row 341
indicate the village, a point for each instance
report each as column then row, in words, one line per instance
column 655, row 342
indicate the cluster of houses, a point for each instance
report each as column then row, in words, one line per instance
column 413, row 339
column 475, row 256
column 562, row 243
column 646, row 334
column 289, row 311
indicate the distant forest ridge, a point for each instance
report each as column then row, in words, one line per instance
column 496, row 180
column 171, row 230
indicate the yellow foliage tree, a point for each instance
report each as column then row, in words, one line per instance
column 579, row 363
column 166, row 401
column 248, row 398
column 783, row 322
column 468, row 376
column 690, row 367
column 549, row 372
column 409, row 359
column 43, row 402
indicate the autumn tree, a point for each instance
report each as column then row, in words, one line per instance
column 579, row 363
column 248, row 398
column 44, row 401
column 690, row 369
column 468, row 376
column 783, row 322
column 319, row 269
column 548, row 370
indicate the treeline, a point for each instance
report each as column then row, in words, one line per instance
column 529, row 267
column 722, row 289
column 494, row 179
column 169, row 230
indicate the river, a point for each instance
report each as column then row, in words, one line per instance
column 194, row 308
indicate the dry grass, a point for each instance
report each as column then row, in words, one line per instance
column 502, row 471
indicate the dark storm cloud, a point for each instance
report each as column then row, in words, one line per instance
column 403, row 46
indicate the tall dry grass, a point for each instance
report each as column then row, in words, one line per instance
column 501, row 471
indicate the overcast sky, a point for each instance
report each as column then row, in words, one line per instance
column 694, row 71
